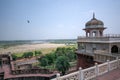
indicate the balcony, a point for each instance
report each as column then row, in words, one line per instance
column 105, row 38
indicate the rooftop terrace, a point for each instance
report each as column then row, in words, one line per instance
column 104, row 39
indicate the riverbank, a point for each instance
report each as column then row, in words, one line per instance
column 44, row 47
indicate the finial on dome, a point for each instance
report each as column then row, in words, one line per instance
column 93, row 15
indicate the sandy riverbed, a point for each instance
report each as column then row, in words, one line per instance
column 30, row 47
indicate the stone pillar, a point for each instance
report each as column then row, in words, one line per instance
column 108, row 65
column 58, row 76
column 96, row 70
column 91, row 35
column 109, row 48
column 98, row 33
column 86, row 34
column 80, row 74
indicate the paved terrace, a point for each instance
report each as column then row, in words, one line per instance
column 112, row 75
column 109, row 70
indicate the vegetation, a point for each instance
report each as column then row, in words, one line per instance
column 62, row 64
column 37, row 53
column 60, row 59
column 26, row 54
column 14, row 57
column 44, row 62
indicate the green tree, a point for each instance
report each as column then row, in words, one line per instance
column 70, row 56
column 27, row 54
column 50, row 57
column 62, row 64
column 30, row 54
column 60, row 51
column 37, row 53
column 43, row 62
column 14, row 57
column 70, row 53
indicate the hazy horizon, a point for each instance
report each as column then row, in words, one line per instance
column 38, row 39
column 54, row 19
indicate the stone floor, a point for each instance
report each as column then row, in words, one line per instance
column 112, row 75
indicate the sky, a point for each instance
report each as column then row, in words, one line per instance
column 55, row 19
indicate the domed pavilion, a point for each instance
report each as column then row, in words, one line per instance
column 94, row 27
column 95, row 46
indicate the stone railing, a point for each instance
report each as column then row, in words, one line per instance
column 92, row 72
column 112, row 35
column 107, row 37
column 92, row 39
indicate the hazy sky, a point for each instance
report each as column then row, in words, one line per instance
column 55, row 19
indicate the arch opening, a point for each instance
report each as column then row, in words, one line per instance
column 94, row 34
column 114, row 49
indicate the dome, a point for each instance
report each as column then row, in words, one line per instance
column 94, row 21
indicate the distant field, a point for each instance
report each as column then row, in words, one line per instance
column 45, row 48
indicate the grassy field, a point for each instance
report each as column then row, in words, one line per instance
column 44, row 50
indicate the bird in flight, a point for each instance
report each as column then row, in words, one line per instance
column 28, row 21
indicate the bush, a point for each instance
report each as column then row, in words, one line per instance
column 52, row 59
column 27, row 54
column 62, row 64
column 43, row 62
column 14, row 57
column 37, row 53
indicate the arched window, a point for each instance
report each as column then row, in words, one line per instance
column 101, row 33
column 94, row 33
column 88, row 34
column 114, row 49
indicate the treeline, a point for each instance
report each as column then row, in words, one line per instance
column 26, row 55
column 7, row 44
column 60, row 58
column 64, row 41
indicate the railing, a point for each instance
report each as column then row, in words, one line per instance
column 92, row 72
column 72, row 76
column 106, row 37
column 89, row 73
column 111, row 35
